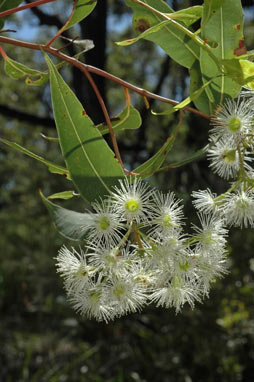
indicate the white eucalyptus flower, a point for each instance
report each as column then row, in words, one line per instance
column 205, row 201
column 125, row 294
column 176, row 294
column 233, row 120
column 132, row 201
column 168, row 214
column 224, row 158
column 211, row 237
column 104, row 225
column 239, row 208
column 92, row 303
column 74, row 269
column 110, row 259
column 209, row 266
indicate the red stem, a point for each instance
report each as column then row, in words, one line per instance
column 2, row 52
column 65, row 25
column 23, row 7
column 100, row 72
column 106, row 115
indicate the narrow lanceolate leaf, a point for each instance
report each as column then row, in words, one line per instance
column 70, row 224
column 188, row 15
column 16, row 70
column 153, row 29
column 128, row 119
column 52, row 167
column 63, row 195
column 190, row 158
column 154, row 163
column 92, row 165
column 173, row 41
column 222, row 29
column 194, row 95
column 80, row 11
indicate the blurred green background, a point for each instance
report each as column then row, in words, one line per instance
column 41, row 337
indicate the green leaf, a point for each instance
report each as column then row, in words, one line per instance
column 194, row 95
column 201, row 102
column 172, row 40
column 154, row 163
column 188, row 15
column 63, row 195
column 247, row 73
column 82, row 9
column 128, row 119
column 5, row 5
column 147, row 32
column 92, row 165
column 17, row 71
column 52, row 167
column 9, row 4
column 70, row 224
column 191, row 158
column 221, row 27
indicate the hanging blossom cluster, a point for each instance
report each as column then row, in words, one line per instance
column 137, row 252
column 231, row 157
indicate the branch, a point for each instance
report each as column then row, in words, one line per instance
column 23, row 7
column 100, row 72
column 52, row 20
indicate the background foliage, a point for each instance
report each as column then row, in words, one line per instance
column 42, row 338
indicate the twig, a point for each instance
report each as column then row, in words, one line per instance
column 100, row 72
column 64, row 26
column 23, row 7
column 106, row 115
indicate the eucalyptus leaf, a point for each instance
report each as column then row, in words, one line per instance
column 9, row 4
column 173, row 41
column 154, row 163
column 52, row 167
column 71, row 224
column 91, row 163
column 188, row 15
column 82, row 9
column 221, row 27
column 194, row 95
column 16, row 70
column 128, row 119
column 247, row 72
column 63, row 195
column 191, row 158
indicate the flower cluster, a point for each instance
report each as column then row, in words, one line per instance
column 231, row 157
column 137, row 253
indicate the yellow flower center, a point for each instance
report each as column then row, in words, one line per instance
column 132, row 206
column 104, row 223
column 234, row 124
column 167, row 221
column 229, row 155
